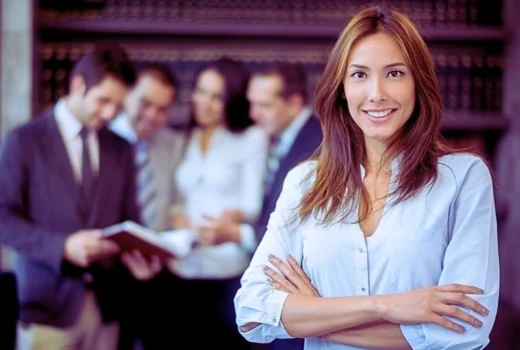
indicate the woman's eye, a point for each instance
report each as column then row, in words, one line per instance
column 358, row 75
column 395, row 74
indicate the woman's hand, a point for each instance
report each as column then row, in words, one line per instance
column 232, row 215
column 426, row 305
column 179, row 221
column 292, row 280
column 433, row 305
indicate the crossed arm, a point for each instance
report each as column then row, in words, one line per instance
column 379, row 327
column 421, row 318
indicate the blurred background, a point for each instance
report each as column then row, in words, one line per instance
column 475, row 45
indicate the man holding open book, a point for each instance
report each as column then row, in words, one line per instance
column 64, row 177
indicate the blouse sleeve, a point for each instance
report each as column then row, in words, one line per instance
column 257, row 301
column 252, row 176
column 471, row 258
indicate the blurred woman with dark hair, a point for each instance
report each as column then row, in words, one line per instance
column 387, row 240
column 221, row 176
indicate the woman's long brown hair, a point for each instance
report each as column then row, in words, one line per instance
column 338, row 184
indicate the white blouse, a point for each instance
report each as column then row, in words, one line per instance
column 445, row 234
column 229, row 176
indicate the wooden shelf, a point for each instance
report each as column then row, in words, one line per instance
column 477, row 122
column 287, row 30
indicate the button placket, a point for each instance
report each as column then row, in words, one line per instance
column 362, row 267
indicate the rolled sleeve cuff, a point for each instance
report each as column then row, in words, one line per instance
column 414, row 335
column 248, row 238
column 270, row 327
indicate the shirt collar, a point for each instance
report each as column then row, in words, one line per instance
column 394, row 166
column 288, row 135
column 121, row 126
column 69, row 125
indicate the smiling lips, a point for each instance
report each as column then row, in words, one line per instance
column 380, row 113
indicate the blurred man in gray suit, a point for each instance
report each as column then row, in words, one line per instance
column 157, row 151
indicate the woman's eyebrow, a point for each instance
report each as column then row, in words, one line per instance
column 391, row 65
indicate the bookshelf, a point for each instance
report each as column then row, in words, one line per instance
column 466, row 38
column 475, row 122
column 274, row 30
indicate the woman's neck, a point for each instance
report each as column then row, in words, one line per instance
column 375, row 150
column 206, row 135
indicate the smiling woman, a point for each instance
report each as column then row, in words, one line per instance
column 387, row 240
column 380, row 93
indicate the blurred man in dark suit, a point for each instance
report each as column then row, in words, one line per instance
column 64, row 177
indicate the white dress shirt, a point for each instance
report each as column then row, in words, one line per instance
column 444, row 234
column 229, row 176
column 69, row 127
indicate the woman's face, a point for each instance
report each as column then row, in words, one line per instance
column 208, row 99
column 379, row 88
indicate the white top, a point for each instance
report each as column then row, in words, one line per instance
column 445, row 234
column 69, row 127
column 228, row 177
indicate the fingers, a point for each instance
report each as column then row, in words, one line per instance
column 94, row 234
column 102, row 249
column 288, row 272
column 463, row 300
column 205, row 235
column 97, row 244
column 460, row 288
column 139, row 266
column 155, row 264
column 458, row 313
column 138, row 258
column 278, row 285
column 446, row 323
column 133, row 259
column 279, row 281
column 296, row 267
column 127, row 259
column 106, row 246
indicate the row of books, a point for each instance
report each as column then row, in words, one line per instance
column 469, row 82
column 435, row 13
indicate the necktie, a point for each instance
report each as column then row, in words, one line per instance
column 88, row 178
column 146, row 189
column 273, row 163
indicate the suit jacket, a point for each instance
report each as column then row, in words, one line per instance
column 305, row 144
column 40, row 206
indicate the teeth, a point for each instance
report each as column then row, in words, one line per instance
column 379, row 114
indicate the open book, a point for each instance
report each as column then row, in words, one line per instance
column 165, row 245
